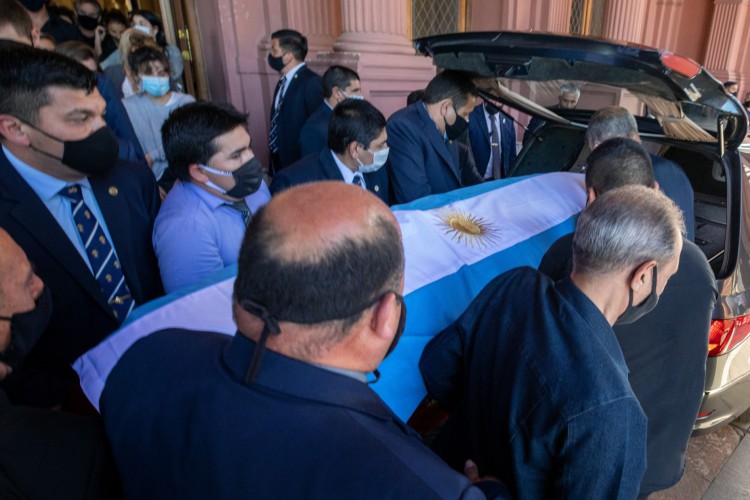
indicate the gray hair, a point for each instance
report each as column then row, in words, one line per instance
column 570, row 88
column 610, row 122
column 624, row 228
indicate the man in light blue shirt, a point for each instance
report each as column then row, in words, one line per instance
column 202, row 221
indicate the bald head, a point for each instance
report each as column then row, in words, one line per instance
column 320, row 254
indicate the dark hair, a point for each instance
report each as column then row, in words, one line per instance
column 26, row 73
column 337, row 76
column 414, row 96
column 114, row 16
column 61, row 12
column 334, row 285
column 616, row 163
column 13, row 14
column 454, row 85
column 78, row 51
column 293, row 42
column 154, row 20
column 729, row 84
column 189, row 133
column 139, row 59
column 354, row 120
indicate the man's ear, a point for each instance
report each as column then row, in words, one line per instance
column 381, row 322
column 196, row 173
column 590, row 196
column 10, row 128
column 641, row 279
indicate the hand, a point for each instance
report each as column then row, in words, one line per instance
column 471, row 471
column 99, row 32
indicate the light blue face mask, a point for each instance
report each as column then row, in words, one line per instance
column 157, row 86
column 143, row 29
column 378, row 160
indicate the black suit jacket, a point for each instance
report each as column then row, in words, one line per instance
column 481, row 140
column 302, row 97
column 129, row 200
column 314, row 135
column 322, row 167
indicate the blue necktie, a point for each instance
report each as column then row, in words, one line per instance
column 273, row 134
column 104, row 263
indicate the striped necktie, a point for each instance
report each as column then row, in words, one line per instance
column 274, row 133
column 243, row 209
column 104, row 263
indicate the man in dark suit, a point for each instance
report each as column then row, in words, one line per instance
column 43, row 453
column 568, row 99
column 297, row 96
column 493, row 141
column 616, row 121
column 317, row 305
column 82, row 216
column 424, row 156
column 339, row 83
column 357, row 150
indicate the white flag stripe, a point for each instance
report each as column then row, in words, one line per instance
column 512, row 211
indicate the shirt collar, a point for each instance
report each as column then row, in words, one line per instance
column 43, row 184
column 345, row 171
column 290, row 74
column 209, row 199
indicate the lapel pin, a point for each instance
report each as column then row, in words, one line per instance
column 113, row 191
column 377, row 188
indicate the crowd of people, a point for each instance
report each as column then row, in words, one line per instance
column 116, row 188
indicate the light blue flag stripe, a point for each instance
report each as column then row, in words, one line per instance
column 443, row 274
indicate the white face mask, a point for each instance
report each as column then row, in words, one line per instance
column 143, row 29
column 356, row 97
column 379, row 159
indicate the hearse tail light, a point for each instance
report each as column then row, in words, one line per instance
column 725, row 334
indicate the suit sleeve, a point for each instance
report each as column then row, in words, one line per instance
column 406, row 163
column 467, row 165
column 441, row 366
column 509, row 144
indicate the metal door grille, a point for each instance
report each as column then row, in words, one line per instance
column 586, row 17
column 435, row 17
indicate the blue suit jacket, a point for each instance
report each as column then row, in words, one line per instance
column 420, row 162
column 298, row 431
column 674, row 183
column 129, row 201
column 314, row 134
column 322, row 167
column 118, row 120
column 480, row 137
column 302, row 97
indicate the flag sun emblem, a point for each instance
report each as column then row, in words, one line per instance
column 471, row 229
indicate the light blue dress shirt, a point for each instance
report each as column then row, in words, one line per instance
column 196, row 233
column 48, row 189
column 347, row 173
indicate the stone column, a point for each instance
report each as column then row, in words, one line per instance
column 624, row 20
column 373, row 42
column 557, row 19
column 728, row 39
column 662, row 23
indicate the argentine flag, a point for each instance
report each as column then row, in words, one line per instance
column 454, row 244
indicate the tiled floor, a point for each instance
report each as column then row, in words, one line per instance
column 706, row 456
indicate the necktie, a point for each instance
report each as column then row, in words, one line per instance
column 497, row 166
column 273, row 134
column 104, row 263
column 358, row 180
column 243, row 209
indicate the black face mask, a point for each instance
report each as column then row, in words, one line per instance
column 491, row 108
column 454, row 131
column 33, row 5
column 248, row 178
column 87, row 22
column 276, row 63
column 96, row 154
column 634, row 313
column 401, row 325
column 25, row 330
